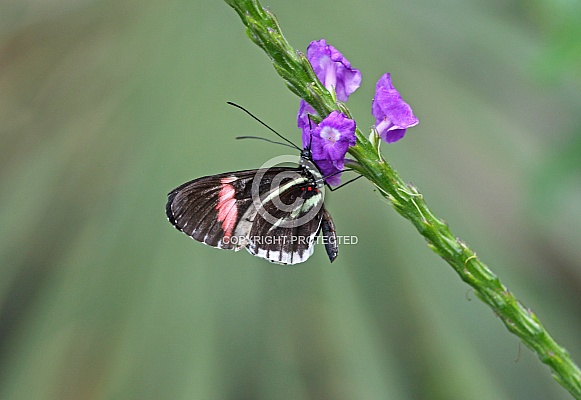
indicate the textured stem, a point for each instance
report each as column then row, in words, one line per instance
column 262, row 27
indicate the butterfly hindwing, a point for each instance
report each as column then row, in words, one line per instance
column 292, row 237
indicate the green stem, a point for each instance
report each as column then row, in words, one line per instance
column 262, row 27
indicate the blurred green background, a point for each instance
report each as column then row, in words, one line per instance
column 105, row 106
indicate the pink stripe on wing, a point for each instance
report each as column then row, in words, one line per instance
column 227, row 209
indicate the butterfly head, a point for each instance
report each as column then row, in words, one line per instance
column 306, row 154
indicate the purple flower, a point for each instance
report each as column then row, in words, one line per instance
column 332, row 69
column 329, row 143
column 392, row 115
column 330, row 139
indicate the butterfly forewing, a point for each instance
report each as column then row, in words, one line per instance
column 207, row 208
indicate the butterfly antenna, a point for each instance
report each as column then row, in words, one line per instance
column 265, row 139
column 264, row 124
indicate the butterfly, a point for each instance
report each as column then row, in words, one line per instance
column 275, row 213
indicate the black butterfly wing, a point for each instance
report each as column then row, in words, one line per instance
column 288, row 235
column 209, row 209
column 329, row 235
column 221, row 211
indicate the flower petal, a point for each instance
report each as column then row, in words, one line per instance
column 332, row 69
column 392, row 115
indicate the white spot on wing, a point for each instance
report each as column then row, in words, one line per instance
column 278, row 257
